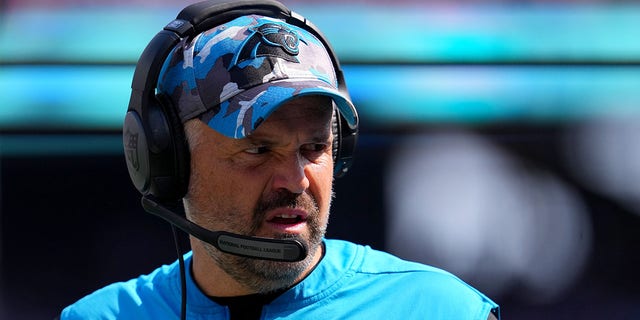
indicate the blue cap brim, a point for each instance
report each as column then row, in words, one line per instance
column 239, row 116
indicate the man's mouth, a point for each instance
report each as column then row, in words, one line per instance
column 287, row 219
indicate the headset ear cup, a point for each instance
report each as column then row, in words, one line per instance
column 173, row 161
column 181, row 147
column 156, row 151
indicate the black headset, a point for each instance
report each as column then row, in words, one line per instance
column 156, row 149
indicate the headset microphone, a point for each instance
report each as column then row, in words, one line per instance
column 240, row 245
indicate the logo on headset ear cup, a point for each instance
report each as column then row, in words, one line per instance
column 136, row 151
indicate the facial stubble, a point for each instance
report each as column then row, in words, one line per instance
column 264, row 276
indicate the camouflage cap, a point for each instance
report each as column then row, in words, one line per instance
column 235, row 75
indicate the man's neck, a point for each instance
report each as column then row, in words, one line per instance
column 247, row 307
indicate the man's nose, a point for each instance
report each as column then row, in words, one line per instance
column 290, row 174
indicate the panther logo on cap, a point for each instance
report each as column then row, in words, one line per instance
column 270, row 40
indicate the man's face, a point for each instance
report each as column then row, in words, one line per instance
column 276, row 183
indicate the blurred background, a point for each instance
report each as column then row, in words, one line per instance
column 500, row 140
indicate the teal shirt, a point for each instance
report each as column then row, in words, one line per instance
column 351, row 282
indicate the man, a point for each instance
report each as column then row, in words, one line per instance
column 259, row 100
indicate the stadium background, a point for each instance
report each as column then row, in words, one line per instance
column 500, row 140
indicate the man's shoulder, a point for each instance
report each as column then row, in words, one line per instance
column 373, row 261
column 120, row 298
column 103, row 303
column 379, row 271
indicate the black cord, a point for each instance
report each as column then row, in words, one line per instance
column 183, row 277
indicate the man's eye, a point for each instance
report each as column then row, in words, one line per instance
column 315, row 147
column 257, row 150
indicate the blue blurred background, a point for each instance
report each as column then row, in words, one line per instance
column 500, row 141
